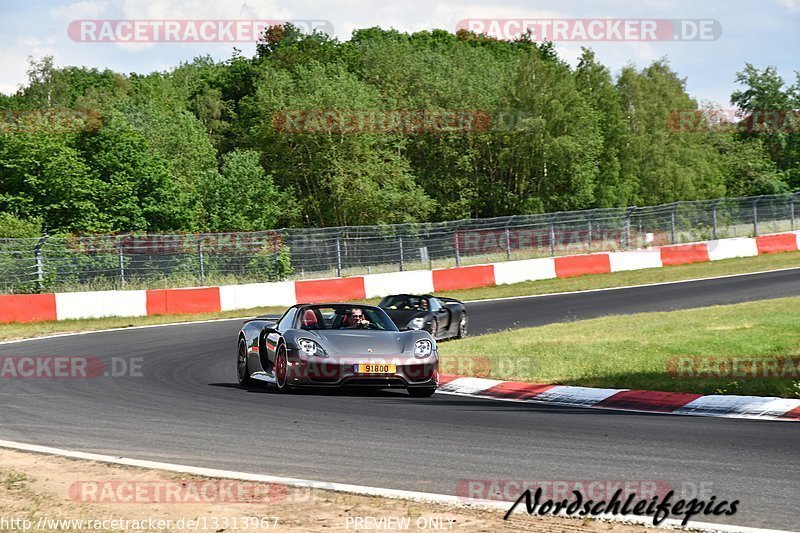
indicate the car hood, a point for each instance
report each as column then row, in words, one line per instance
column 361, row 342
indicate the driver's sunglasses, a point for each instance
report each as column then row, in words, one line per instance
column 357, row 316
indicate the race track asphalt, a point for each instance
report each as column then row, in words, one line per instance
column 186, row 408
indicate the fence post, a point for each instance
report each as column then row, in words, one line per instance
column 455, row 241
column 338, row 258
column 791, row 209
column 552, row 236
column 276, row 256
column 672, row 219
column 37, row 252
column 508, row 238
column 200, row 261
column 589, row 236
column 628, row 215
column 714, row 219
column 755, row 216
column 121, row 265
column 400, row 241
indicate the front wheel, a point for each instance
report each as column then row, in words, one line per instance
column 242, row 368
column 434, row 328
column 462, row 327
column 421, row 392
column 282, row 369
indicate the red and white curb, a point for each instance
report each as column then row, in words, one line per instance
column 677, row 403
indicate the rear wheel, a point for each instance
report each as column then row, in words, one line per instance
column 282, row 369
column 242, row 368
column 462, row 326
column 421, row 392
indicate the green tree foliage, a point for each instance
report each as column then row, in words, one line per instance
column 594, row 82
column 669, row 165
column 137, row 188
column 13, row 227
column 242, row 197
column 769, row 110
column 205, row 147
column 44, row 176
column 342, row 178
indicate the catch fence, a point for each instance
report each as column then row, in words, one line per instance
column 81, row 262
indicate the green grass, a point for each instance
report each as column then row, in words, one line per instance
column 640, row 351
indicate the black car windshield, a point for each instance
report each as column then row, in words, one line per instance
column 405, row 303
column 320, row 317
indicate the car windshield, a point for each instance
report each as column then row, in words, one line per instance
column 316, row 317
column 405, row 303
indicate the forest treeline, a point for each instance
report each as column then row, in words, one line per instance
column 198, row 148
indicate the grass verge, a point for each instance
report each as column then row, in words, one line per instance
column 528, row 288
column 733, row 349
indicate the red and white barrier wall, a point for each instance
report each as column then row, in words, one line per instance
column 62, row 306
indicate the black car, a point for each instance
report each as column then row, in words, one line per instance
column 444, row 318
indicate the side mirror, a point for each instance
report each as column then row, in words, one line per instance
column 269, row 325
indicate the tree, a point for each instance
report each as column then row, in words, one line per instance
column 770, row 117
column 242, row 197
column 669, row 164
column 594, row 82
column 135, row 187
column 342, row 178
column 42, row 175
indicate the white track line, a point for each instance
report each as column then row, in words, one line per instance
column 424, row 497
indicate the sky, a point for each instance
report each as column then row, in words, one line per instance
column 761, row 32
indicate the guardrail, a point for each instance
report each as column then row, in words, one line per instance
column 135, row 261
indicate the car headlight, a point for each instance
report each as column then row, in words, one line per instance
column 417, row 323
column 423, row 348
column 309, row 347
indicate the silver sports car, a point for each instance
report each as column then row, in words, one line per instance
column 336, row 345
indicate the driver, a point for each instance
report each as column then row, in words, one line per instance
column 357, row 320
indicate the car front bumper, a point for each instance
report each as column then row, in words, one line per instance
column 339, row 371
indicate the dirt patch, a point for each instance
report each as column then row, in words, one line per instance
column 44, row 489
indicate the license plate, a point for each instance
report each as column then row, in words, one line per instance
column 375, row 368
